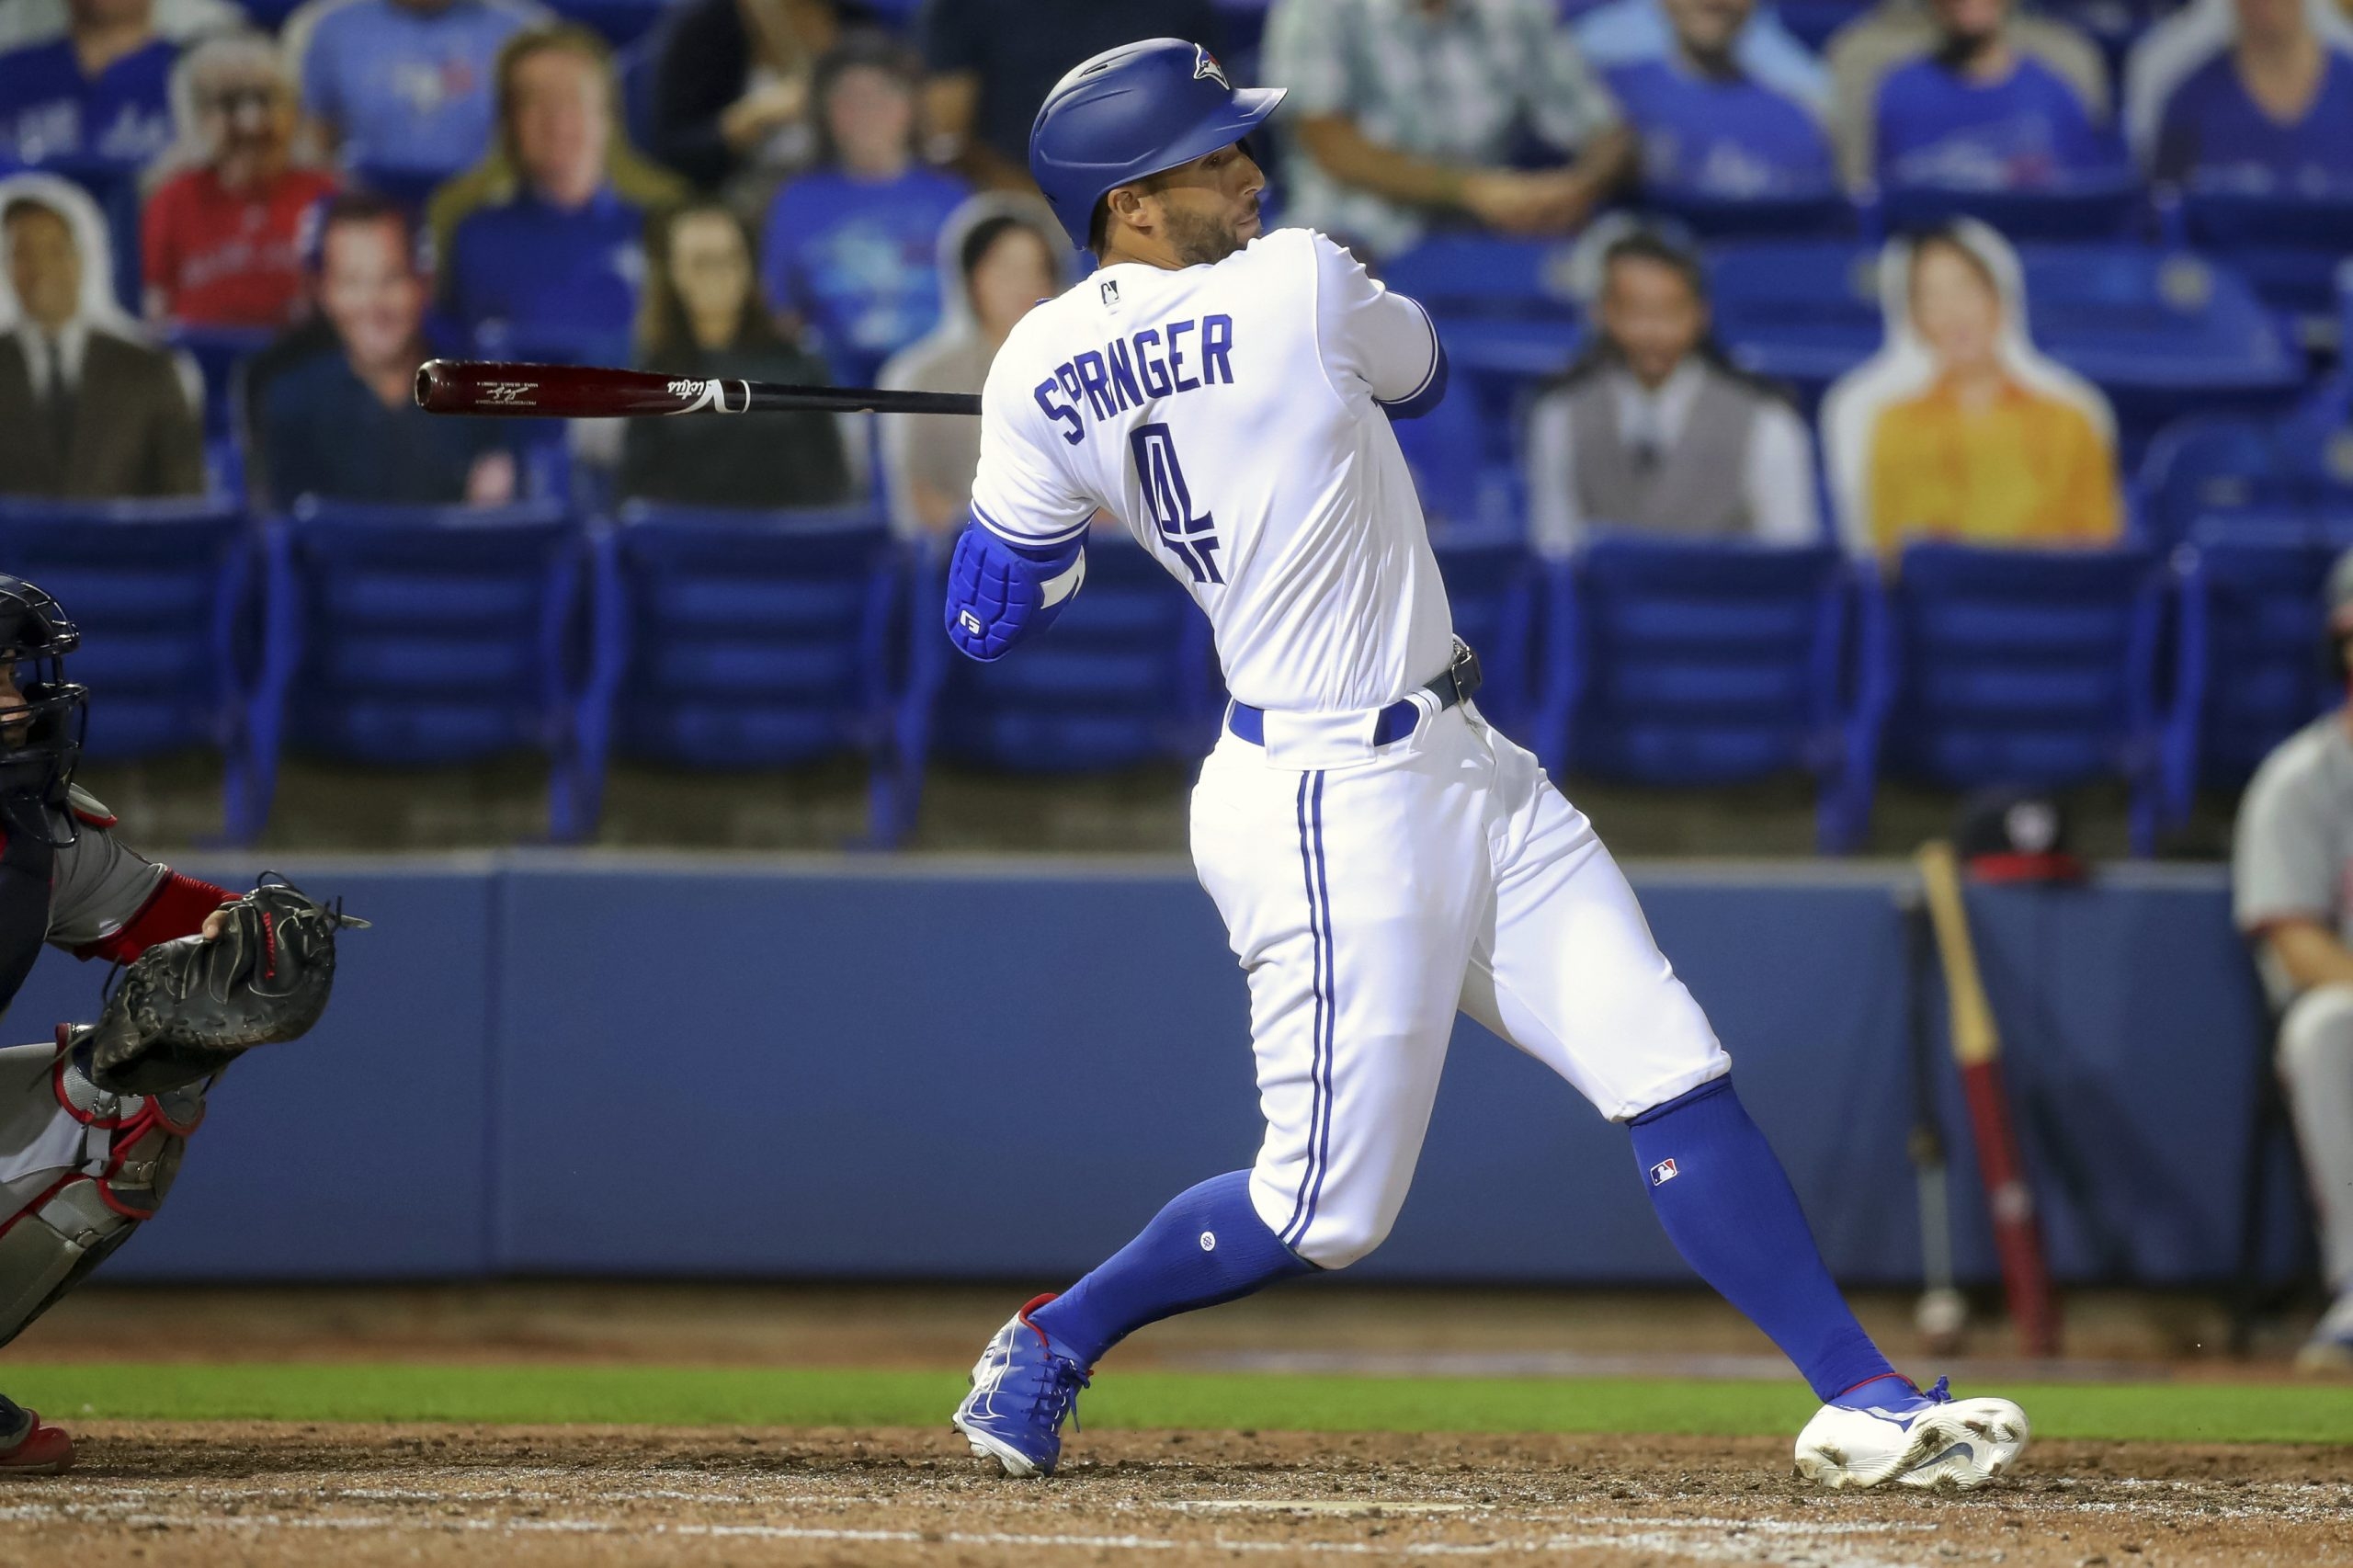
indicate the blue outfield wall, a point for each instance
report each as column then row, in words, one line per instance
column 539, row 1063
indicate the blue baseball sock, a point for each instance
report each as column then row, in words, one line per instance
column 1728, row 1208
column 1208, row 1245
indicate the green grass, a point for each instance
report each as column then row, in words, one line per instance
column 857, row 1397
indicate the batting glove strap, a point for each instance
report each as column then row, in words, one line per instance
column 999, row 593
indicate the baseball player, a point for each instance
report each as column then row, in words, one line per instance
column 1382, row 857
column 2292, row 869
column 92, row 1123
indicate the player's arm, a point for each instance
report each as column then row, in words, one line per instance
column 112, row 902
column 2308, row 953
column 2283, row 872
column 1023, row 554
column 1383, row 341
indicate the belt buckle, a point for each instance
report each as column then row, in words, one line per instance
column 1463, row 672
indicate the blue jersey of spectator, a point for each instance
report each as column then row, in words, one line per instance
column 407, row 87
column 1631, row 32
column 857, row 260
column 1727, row 138
column 48, row 109
column 2026, row 131
column 532, row 277
column 326, row 433
column 2216, row 137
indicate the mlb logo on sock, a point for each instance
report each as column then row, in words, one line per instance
column 1663, row 1173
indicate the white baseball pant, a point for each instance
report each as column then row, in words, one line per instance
column 1372, row 893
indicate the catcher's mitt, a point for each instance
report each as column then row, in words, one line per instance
column 185, row 1009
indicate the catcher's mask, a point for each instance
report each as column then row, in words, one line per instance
column 40, row 740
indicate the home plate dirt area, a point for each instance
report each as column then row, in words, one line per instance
column 220, row 1492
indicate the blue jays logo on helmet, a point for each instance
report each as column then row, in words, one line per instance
column 1134, row 111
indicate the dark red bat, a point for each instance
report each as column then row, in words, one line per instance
column 591, row 392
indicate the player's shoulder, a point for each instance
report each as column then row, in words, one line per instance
column 2316, row 762
column 87, row 809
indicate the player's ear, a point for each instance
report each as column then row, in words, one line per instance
column 1126, row 206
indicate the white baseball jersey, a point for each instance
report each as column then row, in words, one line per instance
column 1228, row 415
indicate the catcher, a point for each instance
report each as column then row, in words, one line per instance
column 92, row 1123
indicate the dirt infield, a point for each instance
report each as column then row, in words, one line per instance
column 197, row 1496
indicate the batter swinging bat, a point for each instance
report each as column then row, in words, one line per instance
column 590, row 391
column 1977, row 1050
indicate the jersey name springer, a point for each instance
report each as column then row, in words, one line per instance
column 1154, row 361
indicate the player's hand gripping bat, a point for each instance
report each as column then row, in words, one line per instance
column 591, row 392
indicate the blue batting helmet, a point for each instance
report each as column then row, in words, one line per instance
column 1133, row 111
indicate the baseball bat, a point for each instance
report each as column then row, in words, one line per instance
column 1977, row 1050
column 1942, row 1313
column 592, row 392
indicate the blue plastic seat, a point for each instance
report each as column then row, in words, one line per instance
column 2098, row 206
column 2289, row 247
column 1123, row 677
column 1506, row 310
column 2162, row 333
column 163, row 592
column 420, row 636
column 1499, row 592
column 2238, row 476
column 1447, row 450
column 2248, row 670
column 756, row 639
column 2213, row 466
column 1692, row 662
column 219, row 352
column 1801, row 312
column 1824, row 214
column 2035, row 668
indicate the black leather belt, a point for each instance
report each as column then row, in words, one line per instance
column 1457, row 684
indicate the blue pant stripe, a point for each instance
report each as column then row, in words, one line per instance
column 1315, row 1088
column 1331, row 1013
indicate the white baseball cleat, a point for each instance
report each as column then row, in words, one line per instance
column 1910, row 1440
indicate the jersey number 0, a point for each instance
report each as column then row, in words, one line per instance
column 1164, row 490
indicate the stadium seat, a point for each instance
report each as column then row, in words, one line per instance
column 1800, row 311
column 2223, row 475
column 1692, row 662
column 163, row 592
column 755, row 640
column 2288, row 247
column 1447, row 451
column 1819, row 215
column 219, row 351
column 1507, row 311
column 2100, row 208
column 2247, row 650
column 2163, row 334
column 1124, row 677
column 2033, row 668
column 423, row 636
column 1498, row 593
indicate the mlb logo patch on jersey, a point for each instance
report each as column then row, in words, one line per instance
column 1663, row 1173
column 1110, row 292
